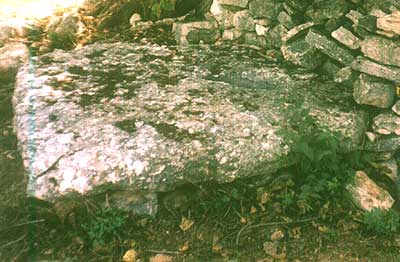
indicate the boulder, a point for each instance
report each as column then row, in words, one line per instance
column 322, row 10
column 345, row 37
column 62, row 31
column 384, row 144
column 329, row 47
column 300, row 53
column 195, row 32
column 369, row 67
column 386, row 124
column 367, row 195
column 151, row 118
column 243, row 21
column 382, row 50
column 265, row 9
column 296, row 31
column 369, row 90
column 12, row 56
column 390, row 23
column 345, row 76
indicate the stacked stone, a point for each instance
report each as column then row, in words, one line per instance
column 354, row 43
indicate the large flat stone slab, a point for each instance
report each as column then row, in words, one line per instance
column 151, row 118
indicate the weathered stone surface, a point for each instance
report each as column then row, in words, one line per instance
column 231, row 34
column 285, row 19
column 384, row 144
column 265, row 8
column 369, row 90
column 369, row 67
column 330, row 68
column 396, row 107
column 390, row 169
column 390, row 23
column 243, row 21
column 322, row 10
column 254, row 39
column 345, row 76
column 12, row 56
column 367, row 195
column 222, row 15
column 234, row 3
column 346, row 37
column 261, row 30
column 275, row 35
column 381, row 50
column 10, row 29
column 300, row 53
column 62, row 31
column 151, row 118
column 329, row 47
column 135, row 18
column 386, row 124
column 196, row 32
column 295, row 31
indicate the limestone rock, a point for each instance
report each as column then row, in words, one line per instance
column 329, row 47
column 367, row 195
column 12, row 56
column 389, row 168
column 265, row 8
column 346, row 37
column 322, row 10
column 373, row 91
column 254, row 39
column 130, row 256
column 295, row 31
column 396, row 108
column 196, row 32
column 275, row 35
column 386, row 124
column 345, row 76
column 234, row 3
column 62, row 31
column 390, row 23
column 231, row 34
column 381, row 50
column 149, row 118
column 261, row 30
column 385, row 144
column 330, row 68
column 300, row 53
column 285, row 19
column 135, row 18
column 243, row 21
column 369, row 67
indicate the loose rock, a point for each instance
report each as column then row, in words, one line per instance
column 367, row 195
column 369, row 67
column 329, row 47
column 373, row 91
column 346, row 37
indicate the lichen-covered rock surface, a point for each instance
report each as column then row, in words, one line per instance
column 151, row 118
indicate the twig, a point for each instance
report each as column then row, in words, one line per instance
column 163, row 252
column 23, row 224
column 271, row 224
column 49, row 168
column 13, row 242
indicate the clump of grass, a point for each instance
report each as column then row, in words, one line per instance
column 382, row 222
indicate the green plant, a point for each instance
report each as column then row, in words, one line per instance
column 105, row 225
column 382, row 222
column 158, row 8
column 321, row 168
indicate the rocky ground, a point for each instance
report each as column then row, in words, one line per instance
column 261, row 218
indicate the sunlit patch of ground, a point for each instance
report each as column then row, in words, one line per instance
column 33, row 9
